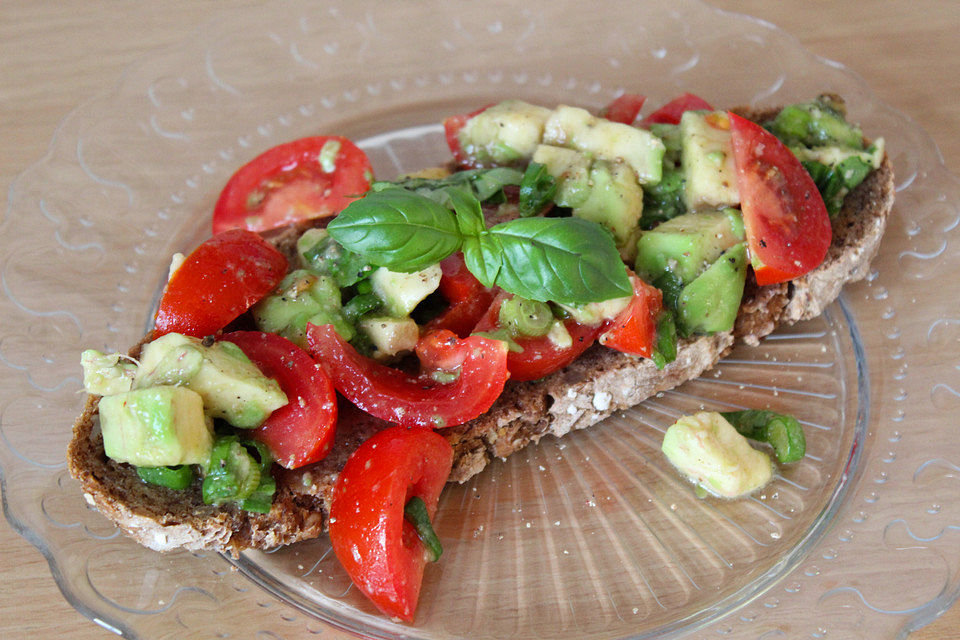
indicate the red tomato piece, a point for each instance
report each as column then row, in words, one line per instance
column 377, row 546
column 623, row 108
column 634, row 331
column 452, row 127
column 787, row 224
column 540, row 355
column 670, row 113
column 221, row 279
column 414, row 400
column 467, row 297
column 300, row 432
column 308, row 178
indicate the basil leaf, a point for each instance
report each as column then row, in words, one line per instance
column 483, row 256
column 565, row 260
column 488, row 183
column 397, row 229
column 536, row 189
column 484, row 183
column 469, row 213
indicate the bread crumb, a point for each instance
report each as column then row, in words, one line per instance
column 601, row 400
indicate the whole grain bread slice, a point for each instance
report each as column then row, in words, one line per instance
column 596, row 385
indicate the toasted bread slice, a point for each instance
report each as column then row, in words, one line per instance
column 597, row 384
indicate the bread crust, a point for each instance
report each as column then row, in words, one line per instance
column 599, row 383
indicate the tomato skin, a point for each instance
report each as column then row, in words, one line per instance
column 300, row 432
column 467, row 297
column 786, row 222
column 414, row 401
column 221, row 279
column 540, row 356
column 451, row 127
column 377, row 546
column 292, row 185
column 624, row 108
column 634, row 331
column 671, row 112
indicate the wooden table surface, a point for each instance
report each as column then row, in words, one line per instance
column 54, row 54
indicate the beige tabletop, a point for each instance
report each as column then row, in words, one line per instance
column 54, row 54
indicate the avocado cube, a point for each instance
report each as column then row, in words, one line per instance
column 710, row 303
column 231, row 386
column 570, row 168
column 402, row 292
column 577, row 128
column 390, row 336
column 687, row 244
column 710, row 452
column 615, row 200
column 156, row 426
column 106, row 373
column 706, row 156
column 505, row 133
column 302, row 297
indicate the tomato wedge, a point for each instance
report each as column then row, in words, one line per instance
column 379, row 548
column 308, row 178
column 415, row 400
column 452, row 127
column 221, row 279
column 467, row 297
column 787, row 224
column 634, row 331
column 670, row 113
column 300, row 432
column 540, row 355
column 623, row 108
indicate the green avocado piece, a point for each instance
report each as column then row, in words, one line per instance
column 615, row 200
column 106, row 373
column 687, row 244
column 577, row 128
column 302, row 297
column 570, row 168
column 710, row 303
column 709, row 451
column 231, row 386
column 156, row 426
column 710, row 176
column 324, row 256
column 506, row 133
column 402, row 292
column 390, row 336
column 817, row 123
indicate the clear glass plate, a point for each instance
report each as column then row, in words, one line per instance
column 590, row 536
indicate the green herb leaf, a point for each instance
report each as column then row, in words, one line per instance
column 469, row 213
column 537, row 189
column 397, row 229
column 486, row 184
column 665, row 349
column 565, row 260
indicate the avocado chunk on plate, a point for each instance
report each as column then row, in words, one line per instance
column 577, row 128
column 614, row 200
column 156, row 426
column 302, row 297
column 231, row 386
column 710, row 303
column 710, row 176
column 505, row 133
column 709, row 451
column 688, row 244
